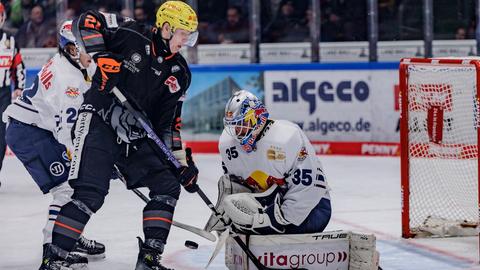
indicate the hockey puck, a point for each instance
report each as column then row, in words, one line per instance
column 191, row 245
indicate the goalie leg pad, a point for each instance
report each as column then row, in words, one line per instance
column 226, row 186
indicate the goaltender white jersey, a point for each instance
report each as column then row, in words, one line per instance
column 51, row 103
column 285, row 156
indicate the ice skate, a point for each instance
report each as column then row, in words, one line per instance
column 91, row 249
column 51, row 261
column 149, row 258
column 77, row 262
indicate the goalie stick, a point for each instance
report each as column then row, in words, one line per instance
column 207, row 235
column 151, row 134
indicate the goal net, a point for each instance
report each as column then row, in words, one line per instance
column 439, row 140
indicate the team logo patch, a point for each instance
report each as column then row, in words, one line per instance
column 136, row 58
column 275, row 154
column 57, row 168
column 172, row 84
column 160, row 59
column 72, row 92
column 175, row 68
column 302, row 155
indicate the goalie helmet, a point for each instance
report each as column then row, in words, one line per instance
column 66, row 37
column 245, row 117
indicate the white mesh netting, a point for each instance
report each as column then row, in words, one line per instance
column 443, row 168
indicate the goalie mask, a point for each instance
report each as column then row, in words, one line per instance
column 245, row 117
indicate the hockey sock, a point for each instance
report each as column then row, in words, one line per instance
column 157, row 217
column 53, row 211
column 70, row 224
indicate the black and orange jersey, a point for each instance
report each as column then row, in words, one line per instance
column 153, row 79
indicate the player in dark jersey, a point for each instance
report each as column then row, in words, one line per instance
column 147, row 68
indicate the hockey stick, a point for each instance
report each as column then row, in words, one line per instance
column 151, row 134
column 207, row 235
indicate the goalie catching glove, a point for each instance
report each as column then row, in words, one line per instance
column 258, row 213
column 188, row 175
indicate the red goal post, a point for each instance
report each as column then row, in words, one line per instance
column 439, row 138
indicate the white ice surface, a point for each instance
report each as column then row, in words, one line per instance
column 365, row 198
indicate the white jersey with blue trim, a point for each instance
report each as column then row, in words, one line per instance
column 51, row 103
column 283, row 155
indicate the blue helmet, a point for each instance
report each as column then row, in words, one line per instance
column 66, row 37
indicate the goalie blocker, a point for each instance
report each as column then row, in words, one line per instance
column 337, row 250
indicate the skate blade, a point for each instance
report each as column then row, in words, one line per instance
column 94, row 257
column 78, row 266
column 141, row 266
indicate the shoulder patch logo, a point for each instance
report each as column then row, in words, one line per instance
column 302, row 155
column 172, row 84
column 136, row 58
column 175, row 68
column 72, row 92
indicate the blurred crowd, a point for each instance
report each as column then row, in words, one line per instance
column 227, row 21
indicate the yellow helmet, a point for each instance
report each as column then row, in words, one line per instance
column 178, row 14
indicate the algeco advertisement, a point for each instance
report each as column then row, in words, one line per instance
column 336, row 105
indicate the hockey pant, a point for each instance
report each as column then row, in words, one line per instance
column 96, row 150
column 46, row 160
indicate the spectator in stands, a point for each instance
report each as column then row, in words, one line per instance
column 332, row 24
column 140, row 15
column 234, row 29
column 285, row 26
column 69, row 14
column 36, row 32
column 461, row 33
column 126, row 12
column 210, row 14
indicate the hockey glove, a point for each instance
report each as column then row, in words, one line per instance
column 249, row 214
column 188, row 175
column 181, row 156
column 107, row 74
